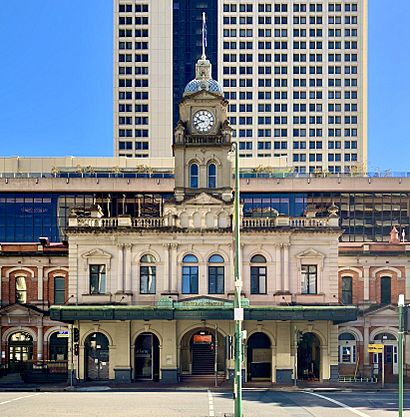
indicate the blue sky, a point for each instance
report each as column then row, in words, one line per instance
column 56, row 80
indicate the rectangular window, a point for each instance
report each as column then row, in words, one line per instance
column 190, row 280
column 216, row 279
column 21, row 290
column 385, row 290
column 309, row 279
column 97, row 279
column 347, row 290
column 258, row 280
column 59, row 290
column 347, row 354
column 147, row 279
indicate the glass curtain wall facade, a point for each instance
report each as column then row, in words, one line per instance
column 187, row 43
column 363, row 216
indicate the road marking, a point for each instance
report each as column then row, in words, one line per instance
column 211, row 405
column 352, row 410
column 21, row 398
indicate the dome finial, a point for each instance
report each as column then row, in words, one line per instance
column 204, row 36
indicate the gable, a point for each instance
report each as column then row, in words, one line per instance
column 204, row 199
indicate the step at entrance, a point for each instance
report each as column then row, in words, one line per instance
column 203, row 359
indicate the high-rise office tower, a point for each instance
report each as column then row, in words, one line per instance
column 294, row 72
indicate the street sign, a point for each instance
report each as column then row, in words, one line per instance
column 375, row 348
column 62, row 333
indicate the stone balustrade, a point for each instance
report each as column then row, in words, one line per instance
column 247, row 222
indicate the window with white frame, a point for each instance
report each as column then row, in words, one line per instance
column 148, row 274
column 347, row 348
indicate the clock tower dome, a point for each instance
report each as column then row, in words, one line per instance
column 203, row 138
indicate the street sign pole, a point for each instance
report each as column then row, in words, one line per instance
column 238, row 312
column 401, row 334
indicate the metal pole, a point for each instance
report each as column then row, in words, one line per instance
column 71, row 355
column 238, row 314
column 383, row 367
column 216, row 356
column 401, row 333
column 295, row 376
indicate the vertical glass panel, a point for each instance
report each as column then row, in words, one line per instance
column 21, row 290
column 212, row 176
column 385, row 290
column 194, row 176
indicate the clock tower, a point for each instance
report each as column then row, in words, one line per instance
column 203, row 139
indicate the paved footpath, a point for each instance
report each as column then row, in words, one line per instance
column 199, row 403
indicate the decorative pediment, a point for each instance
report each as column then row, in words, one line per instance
column 97, row 256
column 204, row 199
column 96, row 253
column 310, row 253
column 202, row 95
column 20, row 310
column 382, row 312
column 310, row 256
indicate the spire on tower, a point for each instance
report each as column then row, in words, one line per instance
column 204, row 36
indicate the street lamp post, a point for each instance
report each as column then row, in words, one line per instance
column 238, row 310
column 401, row 333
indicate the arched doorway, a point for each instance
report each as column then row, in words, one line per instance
column 97, row 357
column 58, row 347
column 147, row 357
column 309, row 357
column 391, row 368
column 199, row 350
column 259, row 357
column 20, row 350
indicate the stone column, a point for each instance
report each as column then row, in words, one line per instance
column 366, row 283
column 120, row 269
column 174, row 268
column 366, row 335
column 40, row 342
column 128, row 265
column 166, row 281
column 286, row 268
column 278, row 266
column 40, row 283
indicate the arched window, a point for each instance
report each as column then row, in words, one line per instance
column 347, row 348
column 258, row 275
column 21, row 290
column 385, row 290
column 194, row 176
column 216, row 275
column 211, row 176
column 59, row 290
column 148, row 274
column 347, row 290
column 190, row 274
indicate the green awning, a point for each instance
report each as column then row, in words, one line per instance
column 336, row 314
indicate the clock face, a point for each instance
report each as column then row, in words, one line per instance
column 203, row 121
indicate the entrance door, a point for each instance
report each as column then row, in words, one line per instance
column 259, row 357
column 97, row 357
column 203, row 354
column 147, row 357
column 309, row 357
column 20, row 350
column 58, row 347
